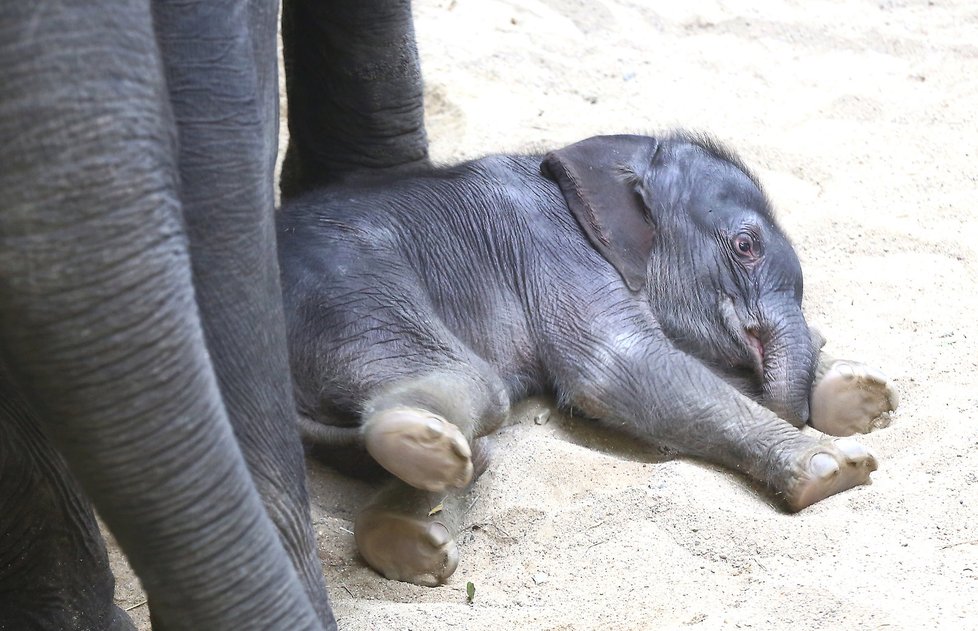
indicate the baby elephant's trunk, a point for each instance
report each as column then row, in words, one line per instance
column 789, row 368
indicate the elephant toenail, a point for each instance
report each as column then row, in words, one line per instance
column 823, row 465
column 461, row 446
column 852, row 449
column 434, row 427
column 875, row 375
column 438, row 534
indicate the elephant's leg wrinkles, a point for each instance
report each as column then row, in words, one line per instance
column 99, row 323
column 355, row 94
column 227, row 197
column 674, row 399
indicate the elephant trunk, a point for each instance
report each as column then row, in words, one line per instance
column 789, row 367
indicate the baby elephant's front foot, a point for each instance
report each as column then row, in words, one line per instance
column 420, row 448
column 828, row 468
column 406, row 548
column 852, row 398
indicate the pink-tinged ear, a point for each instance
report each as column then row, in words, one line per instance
column 598, row 178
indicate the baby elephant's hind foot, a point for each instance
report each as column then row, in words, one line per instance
column 420, row 448
column 828, row 468
column 405, row 548
column 852, row 398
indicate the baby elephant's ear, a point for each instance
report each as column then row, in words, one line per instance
column 598, row 179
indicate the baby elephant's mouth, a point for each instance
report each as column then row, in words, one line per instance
column 748, row 334
column 755, row 349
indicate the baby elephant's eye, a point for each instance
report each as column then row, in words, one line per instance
column 745, row 246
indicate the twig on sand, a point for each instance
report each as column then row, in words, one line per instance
column 960, row 543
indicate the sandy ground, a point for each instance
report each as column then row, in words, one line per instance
column 860, row 117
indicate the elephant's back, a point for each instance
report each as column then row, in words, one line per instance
column 473, row 212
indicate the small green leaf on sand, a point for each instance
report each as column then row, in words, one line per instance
column 470, row 591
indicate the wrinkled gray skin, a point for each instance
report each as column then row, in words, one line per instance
column 142, row 348
column 642, row 281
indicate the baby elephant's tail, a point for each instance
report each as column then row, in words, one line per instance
column 328, row 435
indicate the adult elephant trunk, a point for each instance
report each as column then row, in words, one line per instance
column 789, row 364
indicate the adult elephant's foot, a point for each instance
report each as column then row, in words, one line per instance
column 405, row 548
column 828, row 468
column 420, row 448
column 852, row 398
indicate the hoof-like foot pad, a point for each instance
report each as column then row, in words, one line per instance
column 852, row 398
column 404, row 548
column 420, row 448
column 830, row 468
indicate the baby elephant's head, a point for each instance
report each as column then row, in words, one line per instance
column 684, row 221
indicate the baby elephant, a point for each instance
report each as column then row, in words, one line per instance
column 641, row 281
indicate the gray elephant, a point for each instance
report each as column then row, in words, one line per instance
column 640, row 281
column 142, row 344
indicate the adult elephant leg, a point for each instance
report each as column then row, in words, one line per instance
column 98, row 321
column 355, row 94
column 54, row 570
column 227, row 157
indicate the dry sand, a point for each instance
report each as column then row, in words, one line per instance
column 860, row 117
